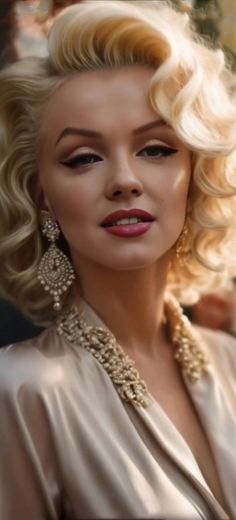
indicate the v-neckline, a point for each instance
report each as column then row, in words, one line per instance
column 164, row 429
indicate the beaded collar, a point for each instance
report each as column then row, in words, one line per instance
column 102, row 344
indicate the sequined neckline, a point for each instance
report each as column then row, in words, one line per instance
column 102, row 344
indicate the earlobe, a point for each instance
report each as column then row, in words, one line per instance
column 41, row 199
column 47, row 205
column 44, row 203
column 45, row 209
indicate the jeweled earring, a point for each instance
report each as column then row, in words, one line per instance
column 55, row 271
column 183, row 254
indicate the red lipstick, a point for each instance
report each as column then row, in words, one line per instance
column 128, row 223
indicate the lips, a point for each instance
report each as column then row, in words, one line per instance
column 139, row 214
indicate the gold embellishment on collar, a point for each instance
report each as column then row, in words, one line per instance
column 190, row 351
column 103, row 346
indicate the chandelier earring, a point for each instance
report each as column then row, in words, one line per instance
column 182, row 250
column 55, row 272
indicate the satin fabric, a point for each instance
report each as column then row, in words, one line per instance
column 71, row 448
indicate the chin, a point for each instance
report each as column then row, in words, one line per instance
column 132, row 263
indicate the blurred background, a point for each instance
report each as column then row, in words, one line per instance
column 24, row 23
column 23, row 28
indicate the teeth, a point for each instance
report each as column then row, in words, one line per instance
column 124, row 221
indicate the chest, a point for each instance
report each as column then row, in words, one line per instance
column 112, row 466
column 168, row 389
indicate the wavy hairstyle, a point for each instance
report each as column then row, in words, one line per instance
column 192, row 90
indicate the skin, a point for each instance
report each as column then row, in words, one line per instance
column 124, row 280
column 122, row 175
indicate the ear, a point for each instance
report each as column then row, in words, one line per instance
column 42, row 201
column 45, row 204
column 44, row 208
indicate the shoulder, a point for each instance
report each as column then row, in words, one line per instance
column 221, row 348
column 34, row 363
column 46, row 366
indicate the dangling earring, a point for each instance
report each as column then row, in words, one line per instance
column 182, row 253
column 55, row 271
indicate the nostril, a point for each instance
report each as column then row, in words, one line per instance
column 127, row 191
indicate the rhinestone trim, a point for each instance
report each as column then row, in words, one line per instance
column 103, row 346
column 190, row 350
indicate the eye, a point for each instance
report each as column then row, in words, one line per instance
column 157, row 151
column 82, row 159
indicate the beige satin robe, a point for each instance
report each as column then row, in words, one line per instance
column 71, row 448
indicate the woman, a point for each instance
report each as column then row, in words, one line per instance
column 120, row 147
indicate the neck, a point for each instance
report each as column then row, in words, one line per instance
column 129, row 303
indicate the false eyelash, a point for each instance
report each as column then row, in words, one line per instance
column 165, row 150
column 73, row 162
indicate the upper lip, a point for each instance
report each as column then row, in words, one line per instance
column 127, row 213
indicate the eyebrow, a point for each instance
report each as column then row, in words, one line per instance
column 97, row 135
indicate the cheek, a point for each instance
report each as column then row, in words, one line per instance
column 70, row 198
column 72, row 208
column 180, row 175
column 175, row 193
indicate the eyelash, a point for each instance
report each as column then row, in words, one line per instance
column 163, row 151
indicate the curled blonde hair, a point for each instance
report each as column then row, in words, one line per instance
column 192, row 90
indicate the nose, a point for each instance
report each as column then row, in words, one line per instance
column 123, row 184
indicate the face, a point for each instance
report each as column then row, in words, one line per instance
column 114, row 176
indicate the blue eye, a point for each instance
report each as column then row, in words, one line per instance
column 158, row 151
column 82, row 159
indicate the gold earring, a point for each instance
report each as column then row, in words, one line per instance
column 182, row 251
column 55, row 272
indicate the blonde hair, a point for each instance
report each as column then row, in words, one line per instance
column 191, row 88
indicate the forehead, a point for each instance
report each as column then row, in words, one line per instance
column 98, row 96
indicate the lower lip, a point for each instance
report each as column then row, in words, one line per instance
column 129, row 230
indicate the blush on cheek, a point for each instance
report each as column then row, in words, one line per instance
column 180, row 179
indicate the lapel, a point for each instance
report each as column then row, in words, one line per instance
column 219, row 423
column 216, row 406
column 175, row 447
